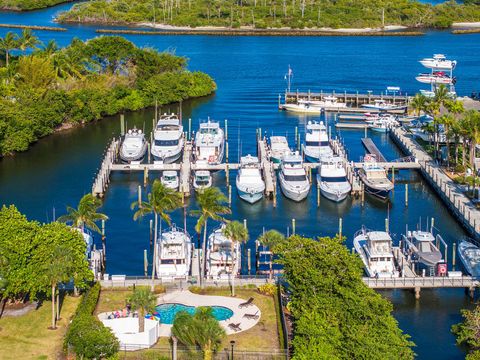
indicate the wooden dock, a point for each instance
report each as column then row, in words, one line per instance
column 102, row 178
column 267, row 168
column 185, row 169
column 340, row 125
column 452, row 194
column 393, row 165
column 372, row 149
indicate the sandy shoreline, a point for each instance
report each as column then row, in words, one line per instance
column 286, row 29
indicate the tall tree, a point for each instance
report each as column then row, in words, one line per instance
column 237, row 233
column 86, row 214
column 143, row 300
column 27, row 40
column 418, row 103
column 8, row 43
column 161, row 201
column 270, row 239
column 200, row 329
column 212, row 206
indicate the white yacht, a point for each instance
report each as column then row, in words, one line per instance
column 375, row 177
column 332, row 179
column 174, row 253
column 250, row 184
column 305, row 107
column 421, row 246
column 170, row 179
column 437, row 77
column 380, row 104
column 134, row 146
column 168, row 139
column 202, row 179
column 293, row 177
column 375, row 250
column 470, row 256
column 210, row 143
column 316, row 142
column 439, row 62
column 382, row 123
column 278, row 148
column 328, row 102
column 221, row 261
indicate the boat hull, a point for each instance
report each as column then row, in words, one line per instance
column 335, row 195
column 250, row 197
column 128, row 158
column 380, row 193
column 302, row 109
column 379, row 129
column 168, row 159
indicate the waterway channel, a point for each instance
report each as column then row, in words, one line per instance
column 249, row 72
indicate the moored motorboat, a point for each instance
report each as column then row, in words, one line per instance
column 293, row 177
column 304, row 107
column 375, row 177
column 210, row 143
column 382, row 105
column 332, row 179
column 221, row 261
column 278, row 148
column 249, row 181
column 174, row 253
column 316, row 142
column 168, row 139
column 202, row 179
column 470, row 256
column 439, row 62
column 170, row 179
column 421, row 246
column 382, row 123
column 376, row 251
column 134, row 146
column 437, row 77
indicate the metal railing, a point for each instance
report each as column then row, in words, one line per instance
column 421, row 282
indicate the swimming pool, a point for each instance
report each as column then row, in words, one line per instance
column 165, row 313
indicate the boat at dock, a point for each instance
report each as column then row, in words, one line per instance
column 436, row 77
column 170, row 179
column 376, row 251
column 168, row 139
column 305, row 107
column 420, row 245
column 375, row 177
column 332, row 179
column 316, row 142
column 293, row 177
column 249, row 181
column 382, row 123
column 210, row 143
column 174, row 253
column 439, row 62
column 202, row 179
column 278, row 148
column 221, row 260
column 470, row 256
column 134, row 146
column 382, row 105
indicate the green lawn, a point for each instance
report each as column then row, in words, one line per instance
column 28, row 336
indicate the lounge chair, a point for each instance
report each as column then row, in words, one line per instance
column 252, row 316
column 234, row 327
column 246, row 303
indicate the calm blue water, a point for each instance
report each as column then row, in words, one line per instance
column 249, row 72
column 166, row 313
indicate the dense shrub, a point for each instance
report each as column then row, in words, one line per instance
column 267, row 289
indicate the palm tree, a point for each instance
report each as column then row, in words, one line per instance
column 447, row 121
column 27, row 40
column 69, row 63
column 161, row 201
column 200, row 329
column 237, row 233
column 418, row 103
column 57, row 270
column 85, row 215
column 50, row 48
column 212, row 205
column 270, row 239
column 144, row 301
column 455, row 108
column 9, row 43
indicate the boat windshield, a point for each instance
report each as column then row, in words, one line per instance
column 317, row 143
column 202, row 180
column 295, row 178
column 213, row 131
column 169, row 178
column 166, row 142
column 334, row 178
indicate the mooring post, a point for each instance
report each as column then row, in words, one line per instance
column 362, row 193
column 393, row 175
column 340, row 228
column 227, row 174
column 454, row 250
column 122, row 124
column 145, row 176
column 149, row 153
column 145, row 262
column 230, row 195
column 245, row 223
column 226, row 129
column 296, row 134
column 417, row 293
column 406, row 195
column 189, row 129
column 249, row 261
column 432, row 224
column 139, row 196
column 293, row 226
column 386, row 225
column 274, row 195
column 318, row 195
column 226, row 152
column 151, row 232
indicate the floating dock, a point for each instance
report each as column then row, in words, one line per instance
column 371, row 148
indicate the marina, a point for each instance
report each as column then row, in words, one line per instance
column 248, row 103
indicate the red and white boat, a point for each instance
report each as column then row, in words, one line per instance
column 437, row 77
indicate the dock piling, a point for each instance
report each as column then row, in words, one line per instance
column 386, row 225
column 296, row 134
column 226, row 129
column 245, row 223
column 145, row 262
column 406, row 195
column 122, row 124
column 340, row 228
column 230, row 196
column 249, row 261
column 151, row 232
column 189, row 129
column 139, row 196
column 454, row 250
column 145, row 176
column 293, row 226
column 318, row 195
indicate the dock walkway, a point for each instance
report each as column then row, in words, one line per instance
column 429, row 282
column 185, row 168
column 452, row 194
column 267, row 167
column 372, row 149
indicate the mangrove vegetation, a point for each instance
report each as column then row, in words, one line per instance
column 44, row 88
column 260, row 14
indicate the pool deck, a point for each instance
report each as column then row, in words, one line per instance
column 188, row 298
